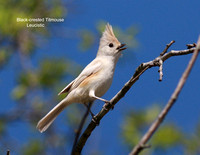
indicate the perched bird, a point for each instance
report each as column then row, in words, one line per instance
column 93, row 81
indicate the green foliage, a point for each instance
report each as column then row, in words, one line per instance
column 19, row 42
column 137, row 122
column 4, row 56
column 48, row 75
column 192, row 141
column 167, row 136
column 33, row 147
column 19, row 92
column 14, row 35
column 51, row 71
column 28, row 78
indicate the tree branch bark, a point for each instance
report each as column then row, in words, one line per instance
column 139, row 71
column 78, row 132
column 142, row 144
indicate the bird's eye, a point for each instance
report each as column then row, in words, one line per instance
column 111, row 45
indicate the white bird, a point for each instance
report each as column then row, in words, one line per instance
column 93, row 82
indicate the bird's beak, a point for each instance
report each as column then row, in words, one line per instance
column 120, row 47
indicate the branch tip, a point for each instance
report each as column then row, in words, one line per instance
column 167, row 47
column 189, row 46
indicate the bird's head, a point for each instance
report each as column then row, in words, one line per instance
column 109, row 44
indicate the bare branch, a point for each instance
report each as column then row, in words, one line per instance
column 167, row 47
column 191, row 45
column 161, row 61
column 140, row 146
column 161, row 70
column 139, row 71
column 78, row 132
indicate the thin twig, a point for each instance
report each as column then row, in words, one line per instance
column 161, row 61
column 167, row 47
column 78, row 132
column 140, row 146
column 161, row 70
column 139, row 71
column 191, row 45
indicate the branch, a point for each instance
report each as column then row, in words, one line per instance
column 167, row 47
column 139, row 71
column 78, row 132
column 141, row 145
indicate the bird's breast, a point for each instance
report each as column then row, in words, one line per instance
column 99, row 81
column 103, row 81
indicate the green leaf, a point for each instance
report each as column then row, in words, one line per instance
column 19, row 92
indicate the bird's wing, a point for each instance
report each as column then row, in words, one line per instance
column 90, row 69
column 67, row 88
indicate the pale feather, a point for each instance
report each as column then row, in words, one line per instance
column 90, row 69
column 48, row 119
column 108, row 35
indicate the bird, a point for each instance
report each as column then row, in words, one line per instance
column 94, row 80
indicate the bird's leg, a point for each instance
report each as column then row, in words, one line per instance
column 92, row 94
column 106, row 103
column 101, row 99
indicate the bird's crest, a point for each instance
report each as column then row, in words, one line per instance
column 108, row 35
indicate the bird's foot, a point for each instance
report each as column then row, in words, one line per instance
column 107, row 103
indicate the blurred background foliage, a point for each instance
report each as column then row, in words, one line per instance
column 37, row 86
column 168, row 136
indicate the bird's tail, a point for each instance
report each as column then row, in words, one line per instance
column 46, row 121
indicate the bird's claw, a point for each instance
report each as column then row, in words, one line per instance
column 107, row 103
